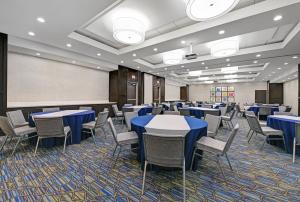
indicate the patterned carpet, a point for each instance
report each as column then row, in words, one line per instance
column 86, row 173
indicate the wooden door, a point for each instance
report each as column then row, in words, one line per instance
column 261, row 96
column 131, row 93
column 156, row 94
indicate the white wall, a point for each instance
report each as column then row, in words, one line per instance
column 244, row 92
column 172, row 90
column 34, row 81
column 148, row 88
column 290, row 91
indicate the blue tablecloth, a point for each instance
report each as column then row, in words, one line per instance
column 288, row 128
column 199, row 113
column 255, row 109
column 145, row 110
column 179, row 105
column 75, row 122
column 198, row 129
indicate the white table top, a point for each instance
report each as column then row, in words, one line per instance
column 168, row 125
column 292, row 118
column 59, row 113
column 204, row 109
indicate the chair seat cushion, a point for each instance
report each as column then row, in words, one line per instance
column 225, row 118
column 263, row 123
column 119, row 114
column 89, row 125
column 24, row 130
column 67, row 129
column 22, row 124
column 211, row 134
column 271, row 131
column 211, row 145
column 127, row 138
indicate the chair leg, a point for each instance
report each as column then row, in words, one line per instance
column 262, row 146
column 6, row 137
column 183, row 176
column 220, row 167
column 37, row 144
column 228, row 162
column 93, row 135
column 248, row 133
column 144, row 176
column 193, row 158
column 115, row 150
column 19, row 139
column 294, row 150
column 117, row 156
column 65, row 142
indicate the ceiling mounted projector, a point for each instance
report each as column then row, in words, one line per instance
column 191, row 55
column 202, row 10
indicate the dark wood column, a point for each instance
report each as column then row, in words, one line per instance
column 3, row 73
column 184, row 93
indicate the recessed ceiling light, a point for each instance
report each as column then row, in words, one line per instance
column 258, row 55
column 227, row 60
column 206, row 67
column 73, row 61
column 98, row 54
column 228, row 65
column 38, row 54
column 286, row 63
column 295, row 57
column 255, row 61
column 31, row 33
column 289, row 78
column 157, row 73
column 250, row 72
column 98, row 67
column 279, row 68
column 182, row 66
column 41, row 20
column 134, row 55
column 182, row 42
column 166, row 68
column 222, row 32
column 155, row 49
column 277, row 17
column 122, row 61
column 69, row 45
column 188, row 70
column 203, row 63
column 138, row 67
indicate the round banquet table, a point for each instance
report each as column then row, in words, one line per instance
column 200, row 112
column 255, row 109
column 196, row 129
column 142, row 110
column 287, row 124
column 72, row 118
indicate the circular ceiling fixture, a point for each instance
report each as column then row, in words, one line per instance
column 202, row 10
column 173, row 57
column 225, row 47
column 128, row 30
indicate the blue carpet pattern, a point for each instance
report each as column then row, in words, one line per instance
column 86, row 173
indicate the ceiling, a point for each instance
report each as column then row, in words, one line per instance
column 87, row 26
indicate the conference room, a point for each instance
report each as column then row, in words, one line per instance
column 149, row 100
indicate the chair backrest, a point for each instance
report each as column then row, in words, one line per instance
column 164, row 150
column 85, row 108
column 128, row 117
column 6, row 126
column 238, row 108
column 113, row 129
column 50, row 127
column 175, row 108
column 128, row 105
column 230, row 139
column 288, row 109
column 213, row 123
column 16, row 118
column 115, row 109
column 228, row 108
column 265, row 111
column 223, row 110
column 106, row 109
column 232, row 114
column 171, row 113
column 184, row 112
column 51, row 109
column 254, row 124
column 283, row 113
column 282, row 108
column 101, row 119
column 156, row 110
